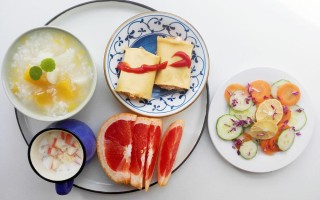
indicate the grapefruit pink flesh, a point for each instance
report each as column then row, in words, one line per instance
column 117, row 145
column 139, row 151
column 154, row 140
column 114, row 146
column 168, row 151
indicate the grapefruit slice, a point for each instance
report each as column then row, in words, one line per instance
column 154, row 140
column 139, row 151
column 168, row 151
column 114, row 145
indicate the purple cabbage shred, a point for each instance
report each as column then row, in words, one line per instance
column 234, row 102
column 249, row 120
column 254, row 100
column 274, row 114
column 239, row 123
column 237, row 142
column 248, row 99
column 260, row 134
column 250, row 89
column 285, row 110
column 299, row 110
column 232, row 129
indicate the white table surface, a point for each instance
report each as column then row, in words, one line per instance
column 239, row 34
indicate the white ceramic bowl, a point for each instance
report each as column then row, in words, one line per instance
column 6, row 67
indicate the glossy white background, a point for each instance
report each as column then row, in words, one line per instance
column 239, row 34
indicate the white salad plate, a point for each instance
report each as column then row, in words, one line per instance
column 94, row 22
column 261, row 162
column 142, row 31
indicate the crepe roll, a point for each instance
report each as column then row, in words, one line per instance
column 137, row 85
column 173, row 78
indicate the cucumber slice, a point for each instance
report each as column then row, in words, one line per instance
column 240, row 101
column 275, row 87
column 298, row 117
column 226, row 128
column 248, row 149
column 249, row 115
column 285, row 139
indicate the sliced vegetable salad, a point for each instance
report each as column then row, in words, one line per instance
column 262, row 116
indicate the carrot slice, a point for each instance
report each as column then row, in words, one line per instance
column 270, row 146
column 260, row 90
column 273, row 142
column 232, row 88
column 247, row 137
column 264, row 144
column 289, row 94
column 282, row 126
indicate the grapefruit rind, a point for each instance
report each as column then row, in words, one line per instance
column 118, row 177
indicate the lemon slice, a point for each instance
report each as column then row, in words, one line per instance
column 270, row 109
column 264, row 129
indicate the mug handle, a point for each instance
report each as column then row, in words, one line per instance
column 64, row 188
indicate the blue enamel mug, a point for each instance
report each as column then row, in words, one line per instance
column 59, row 153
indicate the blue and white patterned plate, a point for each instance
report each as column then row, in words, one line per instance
column 142, row 31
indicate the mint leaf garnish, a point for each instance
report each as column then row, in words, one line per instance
column 35, row 72
column 48, row 65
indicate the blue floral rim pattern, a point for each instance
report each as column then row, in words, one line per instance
column 142, row 31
